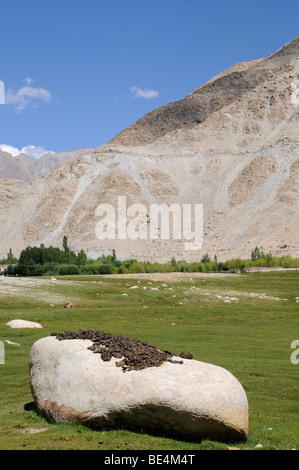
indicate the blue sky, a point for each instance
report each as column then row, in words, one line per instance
column 77, row 72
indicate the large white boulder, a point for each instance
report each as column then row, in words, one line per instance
column 23, row 324
column 193, row 400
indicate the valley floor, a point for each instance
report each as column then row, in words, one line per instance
column 245, row 323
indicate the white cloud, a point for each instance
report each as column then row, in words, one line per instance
column 27, row 95
column 35, row 152
column 28, row 80
column 137, row 92
column 9, row 149
column 31, row 150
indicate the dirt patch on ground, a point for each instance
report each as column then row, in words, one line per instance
column 171, row 277
column 32, row 430
column 37, row 289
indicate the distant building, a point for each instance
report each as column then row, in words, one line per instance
column 3, row 267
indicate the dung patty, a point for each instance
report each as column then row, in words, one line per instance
column 135, row 354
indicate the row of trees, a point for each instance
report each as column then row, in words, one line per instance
column 37, row 261
column 40, row 261
column 110, row 264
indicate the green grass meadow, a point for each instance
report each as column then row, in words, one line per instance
column 251, row 337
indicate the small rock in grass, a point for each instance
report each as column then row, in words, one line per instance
column 69, row 305
column 23, row 324
column 10, row 342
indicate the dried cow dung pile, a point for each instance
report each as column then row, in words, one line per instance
column 187, row 355
column 135, row 354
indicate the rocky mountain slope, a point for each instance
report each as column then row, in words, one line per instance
column 231, row 145
column 12, row 168
column 26, row 168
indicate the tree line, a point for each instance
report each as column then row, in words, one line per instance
column 39, row 261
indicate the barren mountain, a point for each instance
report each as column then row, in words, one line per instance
column 14, row 169
column 231, row 145
column 49, row 161
column 26, row 168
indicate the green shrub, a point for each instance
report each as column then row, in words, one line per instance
column 49, row 268
column 68, row 270
column 106, row 269
column 136, row 268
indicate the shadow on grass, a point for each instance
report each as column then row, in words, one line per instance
column 30, row 407
column 210, row 441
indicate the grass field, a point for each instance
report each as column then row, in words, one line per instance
column 250, row 336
